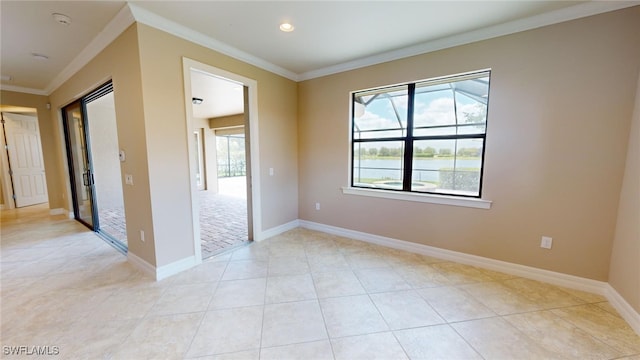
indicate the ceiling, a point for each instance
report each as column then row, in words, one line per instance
column 27, row 27
column 330, row 33
column 329, row 37
column 220, row 97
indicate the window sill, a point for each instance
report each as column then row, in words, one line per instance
column 426, row 198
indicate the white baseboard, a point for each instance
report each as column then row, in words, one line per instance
column 624, row 309
column 570, row 281
column 277, row 230
column 175, row 267
column 163, row 271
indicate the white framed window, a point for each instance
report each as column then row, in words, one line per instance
column 425, row 137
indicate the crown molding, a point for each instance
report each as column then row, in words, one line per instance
column 156, row 21
column 533, row 22
column 114, row 28
column 131, row 13
column 21, row 89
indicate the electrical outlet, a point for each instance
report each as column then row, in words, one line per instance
column 142, row 235
column 317, row 206
column 546, row 242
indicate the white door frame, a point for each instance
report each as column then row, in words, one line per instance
column 9, row 185
column 252, row 85
column 7, row 189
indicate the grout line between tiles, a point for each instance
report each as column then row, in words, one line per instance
column 324, row 321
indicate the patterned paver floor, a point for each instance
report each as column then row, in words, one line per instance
column 113, row 223
column 223, row 223
column 223, row 218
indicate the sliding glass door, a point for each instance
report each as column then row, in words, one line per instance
column 94, row 166
column 79, row 166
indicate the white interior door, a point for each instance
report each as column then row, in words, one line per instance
column 25, row 158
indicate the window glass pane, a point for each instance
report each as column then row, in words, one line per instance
column 434, row 112
column 469, row 129
column 471, row 105
column 459, row 107
column 464, row 177
column 378, row 164
column 447, row 166
column 429, row 156
column 380, row 114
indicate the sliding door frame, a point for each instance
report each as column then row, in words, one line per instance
column 88, row 177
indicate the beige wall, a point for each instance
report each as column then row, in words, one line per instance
column 50, row 144
column 226, row 121
column 166, row 134
column 561, row 99
column 120, row 62
column 200, row 123
column 624, row 273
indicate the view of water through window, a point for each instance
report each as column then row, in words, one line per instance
column 443, row 123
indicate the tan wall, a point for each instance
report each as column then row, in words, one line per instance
column 162, row 80
column 624, row 273
column 50, row 142
column 120, row 62
column 226, row 121
column 200, row 123
column 561, row 100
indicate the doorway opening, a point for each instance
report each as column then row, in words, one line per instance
column 93, row 158
column 23, row 177
column 222, row 119
column 224, row 206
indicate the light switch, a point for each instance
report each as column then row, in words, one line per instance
column 122, row 156
column 128, row 179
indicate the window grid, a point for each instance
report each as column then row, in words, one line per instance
column 411, row 167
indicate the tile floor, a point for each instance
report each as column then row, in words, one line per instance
column 300, row 295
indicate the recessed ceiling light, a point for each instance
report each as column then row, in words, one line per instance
column 61, row 19
column 40, row 56
column 196, row 101
column 286, row 27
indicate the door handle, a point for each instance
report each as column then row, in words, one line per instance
column 85, row 178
